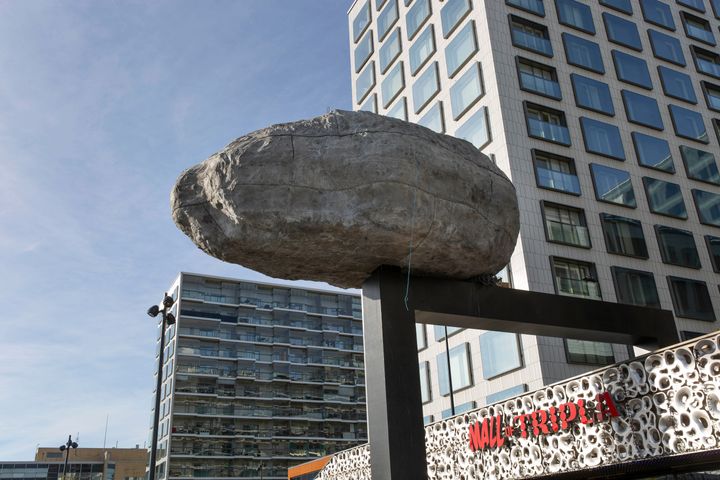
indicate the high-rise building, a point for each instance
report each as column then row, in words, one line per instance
column 258, row 378
column 604, row 114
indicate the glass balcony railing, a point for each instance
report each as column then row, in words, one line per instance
column 699, row 33
column 540, row 85
column 711, row 67
column 549, row 131
column 532, row 42
column 567, row 182
column 566, row 233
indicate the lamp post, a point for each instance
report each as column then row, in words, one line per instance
column 167, row 319
column 66, row 448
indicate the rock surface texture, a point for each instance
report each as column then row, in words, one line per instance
column 334, row 197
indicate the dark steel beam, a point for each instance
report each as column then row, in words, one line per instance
column 469, row 304
column 395, row 418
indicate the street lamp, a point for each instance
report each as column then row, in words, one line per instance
column 167, row 319
column 66, row 448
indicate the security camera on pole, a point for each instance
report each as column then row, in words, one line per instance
column 167, row 319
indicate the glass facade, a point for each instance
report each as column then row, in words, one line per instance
column 593, row 353
column 642, row 110
column 653, row 152
column 393, row 84
column 476, row 129
column 677, row 247
column 688, row 124
column 575, row 14
column 575, row 278
column 631, row 69
column 390, row 50
column 546, row 124
column 622, row 31
column 433, row 118
column 460, row 49
column 700, row 165
column 466, row 91
column 592, row 94
column 666, row 47
column 554, row 172
column 657, row 13
column 708, row 207
column 635, row 287
column 538, row 78
column 677, row 84
column 602, row 138
column 583, row 53
column 565, row 225
column 426, row 86
column 416, row 17
column 664, row 198
column 623, row 236
column 612, row 185
column 691, row 299
column 422, row 50
column 452, row 13
column 500, row 353
column 460, row 369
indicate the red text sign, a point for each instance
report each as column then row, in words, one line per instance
column 492, row 433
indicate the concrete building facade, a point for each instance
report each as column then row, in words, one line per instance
column 604, row 114
column 258, row 378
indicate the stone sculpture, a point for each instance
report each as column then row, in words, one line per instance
column 334, row 197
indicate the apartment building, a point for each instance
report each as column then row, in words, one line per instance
column 258, row 378
column 605, row 115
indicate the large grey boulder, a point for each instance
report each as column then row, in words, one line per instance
column 334, row 197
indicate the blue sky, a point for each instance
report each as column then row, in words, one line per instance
column 102, row 105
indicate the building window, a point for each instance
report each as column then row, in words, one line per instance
column 363, row 50
column 422, row 49
column 688, row 124
column 538, row 78
column 691, row 299
column 633, row 70
column 698, row 5
column 623, row 236
column 593, row 353
column 460, row 49
column 532, row 6
column 476, row 129
column 393, row 84
column 708, row 207
column 712, row 95
column 462, row 408
column 583, row 53
column 706, row 62
column 452, row 14
column 602, row 138
column 505, row 394
column 365, row 82
column 575, row 14
column 666, row 47
column 425, row 393
column 387, row 19
column 554, row 172
column 657, row 13
column 370, row 104
column 697, row 28
column 434, row 119
column 575, row 278
column 500, row 353
column 420, row 336
column 439, row 331
column 546, row 124
column 361, row 21
column 619, row 5
column 399, row 110
column 635, row 287
column 530, row 36
column 466, row 91
column 716, row 7
column 642, row 110
column 677, row 247
column 713, row 246
column 677, row 84
column 417, row 16
column 621, row 31
column 664, row 198
column 390, row 50
column 653, row 152
column 700, row 165
column 612, row 185
column 460, row 369
column 565, row 225
column 592, row 95
column 426, row 87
